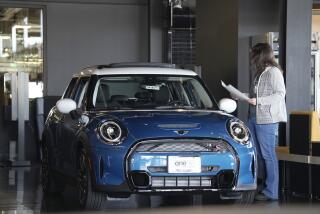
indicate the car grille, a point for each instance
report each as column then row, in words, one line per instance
column 225, row 179
column 144, row 181
column 183, row 146
column 187, row 181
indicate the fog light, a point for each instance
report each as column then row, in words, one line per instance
column 140, row 179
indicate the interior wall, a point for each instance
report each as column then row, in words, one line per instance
column 217, row 41
column 256, row 17
column 80, row 35
column 156, row 32
column 44, row 2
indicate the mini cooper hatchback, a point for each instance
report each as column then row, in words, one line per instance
column 145, row 129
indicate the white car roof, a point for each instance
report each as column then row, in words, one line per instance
column 135, row 70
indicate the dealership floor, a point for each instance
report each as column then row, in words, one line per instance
column 21, row 192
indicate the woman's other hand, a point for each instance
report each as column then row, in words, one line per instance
column 252, row 101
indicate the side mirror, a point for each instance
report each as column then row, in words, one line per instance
column 76, row 114
column 65, row 106
column 227, row 105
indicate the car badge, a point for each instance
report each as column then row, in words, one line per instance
column 181, row 132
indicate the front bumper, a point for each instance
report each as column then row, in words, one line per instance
column 146, row 170
column 148, row 165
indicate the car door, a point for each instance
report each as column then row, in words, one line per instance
column 70, row 127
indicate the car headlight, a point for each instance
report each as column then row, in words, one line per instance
column 111, row 132
column 238, row 131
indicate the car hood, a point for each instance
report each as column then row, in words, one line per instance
column 168, row 124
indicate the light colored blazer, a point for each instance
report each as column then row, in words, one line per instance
column 271, row 91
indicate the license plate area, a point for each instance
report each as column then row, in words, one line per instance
column 182, row 164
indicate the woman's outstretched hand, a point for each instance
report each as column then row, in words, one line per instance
column 252, row 101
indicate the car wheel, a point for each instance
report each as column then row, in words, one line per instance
column 50, row 184
column 88, row 199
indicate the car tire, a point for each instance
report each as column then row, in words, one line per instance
column 87, row 198
column 50, row 184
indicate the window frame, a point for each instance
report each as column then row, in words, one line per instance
column 77, row 91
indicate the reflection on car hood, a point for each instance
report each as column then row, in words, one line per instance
column 168, row 124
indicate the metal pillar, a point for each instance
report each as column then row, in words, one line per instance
column 23, row 115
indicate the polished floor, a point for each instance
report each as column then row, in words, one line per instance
column 20, row 192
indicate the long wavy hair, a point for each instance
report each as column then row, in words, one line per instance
column 261, row 56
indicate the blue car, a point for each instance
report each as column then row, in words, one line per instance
column 144, row 129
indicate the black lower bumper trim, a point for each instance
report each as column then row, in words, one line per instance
column 122, row 188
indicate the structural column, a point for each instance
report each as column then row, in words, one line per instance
column 156, row 30
column 217, row 43
column 298, row 56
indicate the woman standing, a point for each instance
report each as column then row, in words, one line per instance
column 267, row 109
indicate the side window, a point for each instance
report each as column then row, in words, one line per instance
column 81, row 88
column 68, row 91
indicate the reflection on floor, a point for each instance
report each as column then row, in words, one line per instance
column 21, row 192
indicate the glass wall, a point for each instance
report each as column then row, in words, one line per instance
column 21, row 45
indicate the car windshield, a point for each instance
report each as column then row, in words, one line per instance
column 150, row 92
